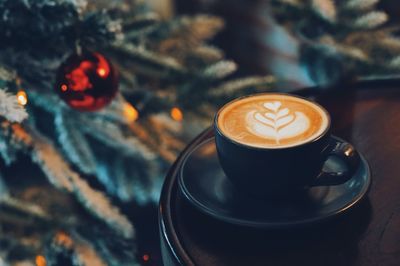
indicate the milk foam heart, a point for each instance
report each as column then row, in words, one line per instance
column 272, row 120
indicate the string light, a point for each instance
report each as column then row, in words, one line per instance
column 40, row 260
column 176, row 114
column 146, row 257
column 22, row 98
column 130, row 112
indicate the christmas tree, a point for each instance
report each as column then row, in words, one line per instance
column 93, row 143
column 342, row 39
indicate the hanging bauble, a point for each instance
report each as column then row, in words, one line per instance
column 87, row 81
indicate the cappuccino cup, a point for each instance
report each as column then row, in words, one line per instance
column 274, row 144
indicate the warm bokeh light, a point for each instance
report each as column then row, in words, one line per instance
column 40, row 260
column 176, row 114
column 146, row 257
column 130, row 112
column 63, row 239
column 64, row 87
column 22, row 98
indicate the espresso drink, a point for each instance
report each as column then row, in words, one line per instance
column 272, row 121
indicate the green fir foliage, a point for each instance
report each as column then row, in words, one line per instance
column 161, row 63
column 341, row 39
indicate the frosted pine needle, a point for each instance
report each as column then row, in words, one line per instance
column 53, row 165
column 325, row 9
column 208, row 53
column 85, row 254
column 62, row 176
column 360, row 4
column 360, row 41
column 231, row 87
column 74, row 145
column 204, row 27
column 291, row 2
column 99, row 205
column 6, row 74
column 395, row 62
column 220, row 69
column 10, row 108
column 371, row 20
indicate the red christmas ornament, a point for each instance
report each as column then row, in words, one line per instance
column 87, row 81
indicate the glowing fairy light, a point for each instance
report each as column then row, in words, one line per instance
column 40, row 260
column 130, row 112
column 146, row 257
column 176, row 114
column 22, row 98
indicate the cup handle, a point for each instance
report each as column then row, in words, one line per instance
column 345, row 152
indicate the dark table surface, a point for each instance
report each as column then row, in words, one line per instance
column 369, row 234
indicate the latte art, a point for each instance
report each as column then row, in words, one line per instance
column 277, row 123
column 272, row 120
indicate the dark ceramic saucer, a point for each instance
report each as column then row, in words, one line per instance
column 205, row 186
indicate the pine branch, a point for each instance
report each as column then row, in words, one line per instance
column 149, row 63
column 234, row 86
column 74, row 143
column 4, row 192
column 26, row 208
column 395, row 62
column 360, row 5
column 192, row 30
column 140, row 21
column 203, row 27
column 144, row 137
column 3, row 261
column 128, row 178
column 390, row 43
column 7, row 75
column 85, row 254
column 63, row 177
column 98, row 204
column 7, row 150
column 10, row 108
column 358, row 42
column 207, row 53
column 113, row 136
column 220, row 69
column 167, row 131
column 140, row 25
column 371, row 20
column 325, row 9
column 45, row 101
column 352, row 52
column 129, row 81
column 53, row 165
column 295, row 3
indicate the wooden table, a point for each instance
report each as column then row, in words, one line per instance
column 367, row 115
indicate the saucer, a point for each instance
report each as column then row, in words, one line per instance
column 204, row 184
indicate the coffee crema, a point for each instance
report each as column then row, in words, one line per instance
column 272, row 120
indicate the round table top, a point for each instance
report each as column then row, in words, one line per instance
column 369, row 234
